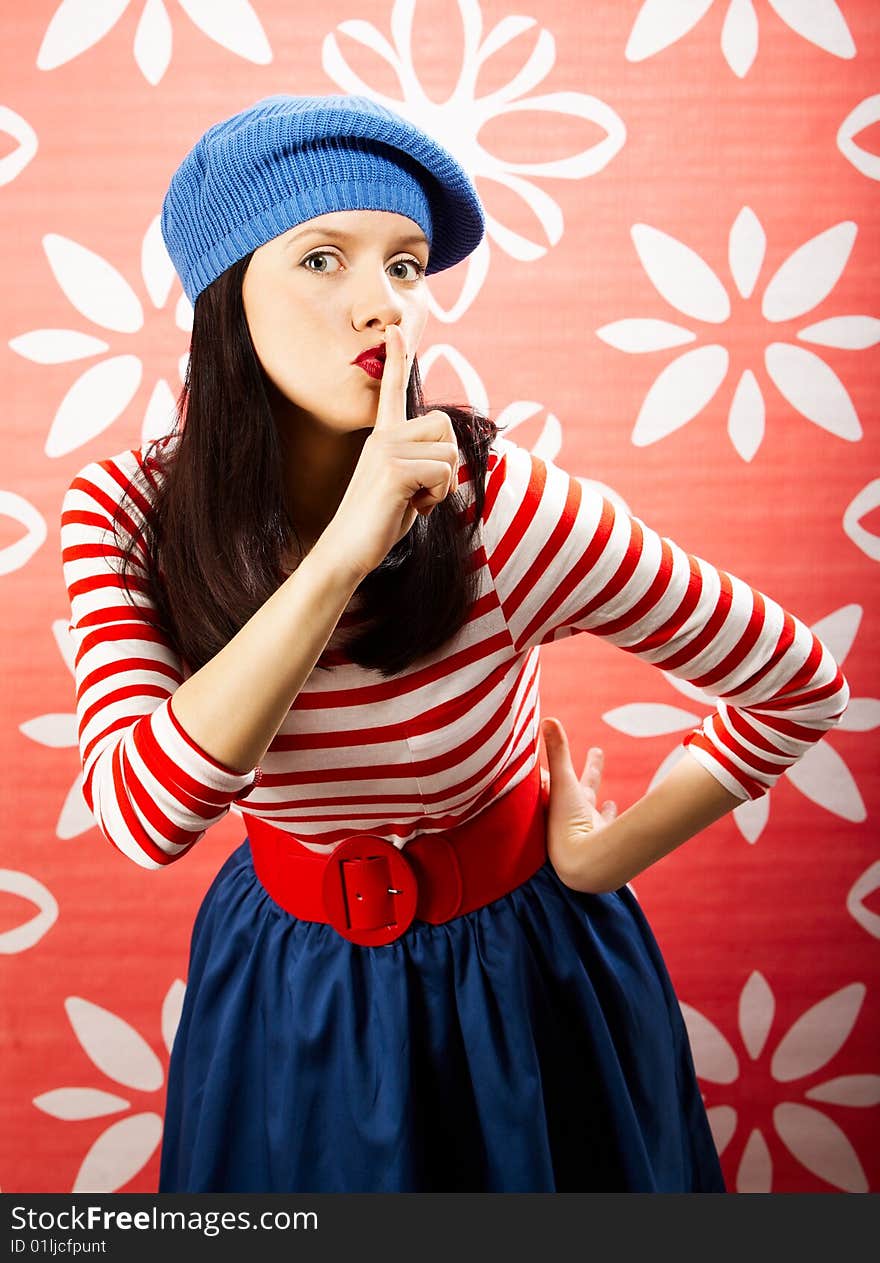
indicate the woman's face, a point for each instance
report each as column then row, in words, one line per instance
column 318, row 295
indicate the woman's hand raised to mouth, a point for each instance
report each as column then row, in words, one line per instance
column 406, row 467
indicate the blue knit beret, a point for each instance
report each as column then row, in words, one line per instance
column 289, row 158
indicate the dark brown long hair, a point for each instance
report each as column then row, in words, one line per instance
column 216, row 526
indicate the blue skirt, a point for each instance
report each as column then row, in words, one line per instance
column 533, row 1045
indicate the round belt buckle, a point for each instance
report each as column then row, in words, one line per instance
column 370, row 891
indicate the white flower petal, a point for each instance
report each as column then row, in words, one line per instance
column 679, row 274
column 649, row 719
column 474, row 390
column 808, row 276
column 119, row 1154
column 15, row 160
column 537, row 67
column 549, row 442
column 517, row 413
column 474, row 271
column 545, row 208
column 822, row 776
column 75, row 817
column 152, row 42
column 662, row 22
column 638, row 335
column 93, row 403
column 714, row 1059
column 860, row 892
column 860, row 1090
column 746, row 249
column 182, row 364
column 722, row 1124
column 820, row 1145
column 860, row 506
column 513, row 243
column 25, row 935
column 667, row 765
column 818, row 1034
column 756, row 1011
column 76, row 26
column 366, row 33
column 93, row 285
column 171, row 1006
column 56, row 346
column 183, row 314
column 590, row 160
column 755, row 1171
column 64, row 642
column 853, row 333
column 232, row 24
column 336, row 67
column 745, row 421
column 688, row 690
column 751, row 817
column 865, row 114
column 819, row 21
column 156, row 266
column 813, row 388
column 839, row 629
column 679, row 392
column 861, row 715
column 72, row 1104
column 161, row 413
column 501, row 34
column 115, row 1047
column 15, row 556
column 587, row 162
column 57, row 731
column 739, row 37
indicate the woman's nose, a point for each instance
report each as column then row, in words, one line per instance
column 375, row 298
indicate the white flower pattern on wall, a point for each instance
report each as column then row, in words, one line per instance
column 687, row 384
column 821, row 775
column 456, row 122
column 78, row 25
column 119, row 1052
column 660, row 23
column 814, row 1139
column 58, row 731
column 103, row 296
column 14, row 161
column 864, row 115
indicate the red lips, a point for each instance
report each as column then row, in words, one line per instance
column 372, row 353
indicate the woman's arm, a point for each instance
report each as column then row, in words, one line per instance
column 598, row 856
column 234, row 705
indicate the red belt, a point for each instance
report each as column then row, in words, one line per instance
column 370, row 891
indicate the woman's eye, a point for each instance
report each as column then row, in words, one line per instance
column 319, row 254
column 320, row 257
column 414, row 264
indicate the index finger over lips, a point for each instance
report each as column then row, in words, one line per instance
column 391, row 408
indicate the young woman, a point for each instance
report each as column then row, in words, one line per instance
column 323, row 601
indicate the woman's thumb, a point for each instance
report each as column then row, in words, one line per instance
column 559, row 762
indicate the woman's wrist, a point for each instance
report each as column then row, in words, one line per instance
column 687, row 800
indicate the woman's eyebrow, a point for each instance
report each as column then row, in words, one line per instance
column 413, row 238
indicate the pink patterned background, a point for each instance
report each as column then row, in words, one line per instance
column 676, row 298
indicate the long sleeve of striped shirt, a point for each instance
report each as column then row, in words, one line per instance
column 152, row 790
column 563, row 560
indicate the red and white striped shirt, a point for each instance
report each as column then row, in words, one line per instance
column 433, row 745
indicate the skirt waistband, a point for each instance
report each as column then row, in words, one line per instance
column 370, row 891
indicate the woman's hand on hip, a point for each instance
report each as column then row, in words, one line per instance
column 406, row 467
column 573, row 819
